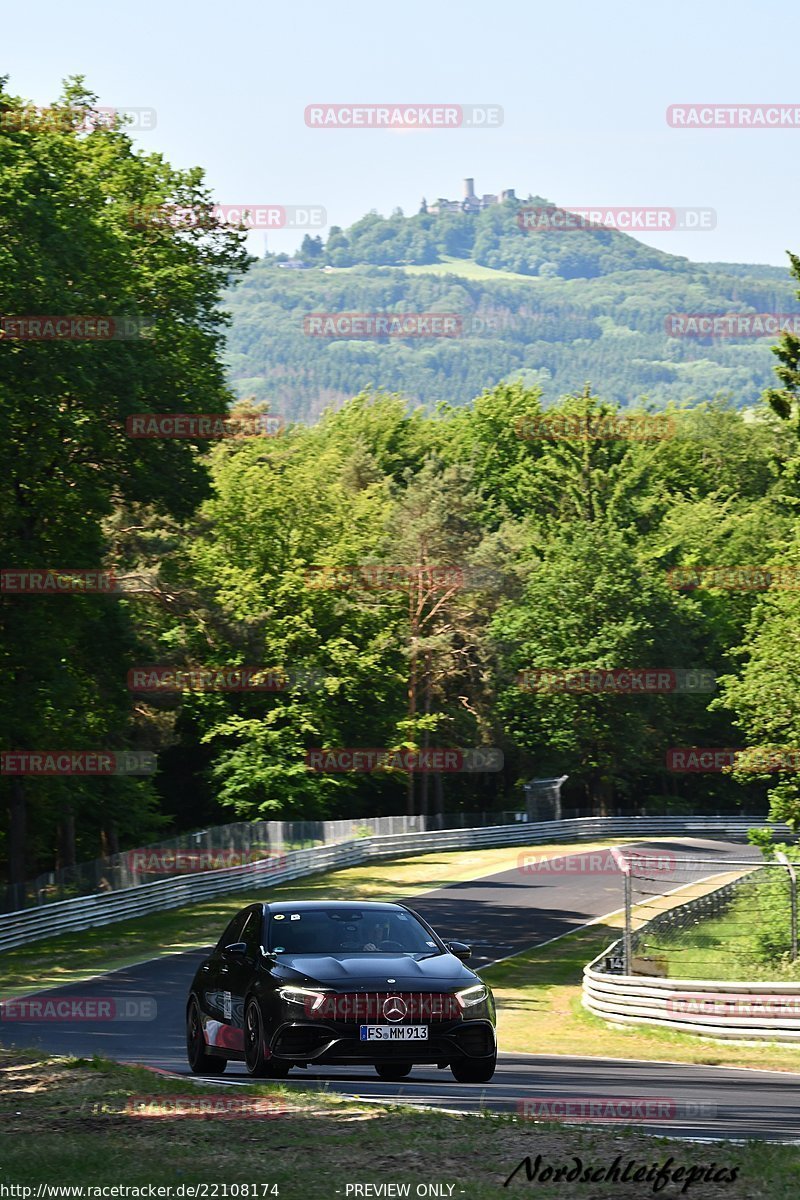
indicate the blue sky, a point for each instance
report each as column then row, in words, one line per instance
column 584, row 89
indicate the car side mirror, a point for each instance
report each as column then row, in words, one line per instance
column 239, row 949
column 460, row 949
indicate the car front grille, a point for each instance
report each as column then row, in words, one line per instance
column 372, row 1006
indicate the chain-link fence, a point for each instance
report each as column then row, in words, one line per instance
column 683, row 922
column 220, row 847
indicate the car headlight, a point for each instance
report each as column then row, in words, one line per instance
column 309, row 999
column 472, row 995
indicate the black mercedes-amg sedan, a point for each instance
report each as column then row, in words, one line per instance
column 320, row 982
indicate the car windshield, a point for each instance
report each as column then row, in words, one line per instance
column 345, row 931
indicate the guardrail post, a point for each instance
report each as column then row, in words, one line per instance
column 781, row 857
column 626, row 943
column 625, row 868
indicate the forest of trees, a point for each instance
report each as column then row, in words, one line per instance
column 548, row 333
column 558, row 552
column 493, row 238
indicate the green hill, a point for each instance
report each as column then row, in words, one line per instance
column 547, row 307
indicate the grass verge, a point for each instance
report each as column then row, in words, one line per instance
column 92, row 1123
column 750, row 940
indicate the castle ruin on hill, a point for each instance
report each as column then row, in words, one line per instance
column 471, row 202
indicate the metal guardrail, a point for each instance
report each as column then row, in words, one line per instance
column 221, row 846
column 87, row 912
column 740, row 1009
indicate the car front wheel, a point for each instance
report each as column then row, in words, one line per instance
column 474, row 1070
column 255, row 1057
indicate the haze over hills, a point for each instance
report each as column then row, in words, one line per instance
column 549, row 306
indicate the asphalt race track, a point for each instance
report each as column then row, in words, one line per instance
column 499, row 916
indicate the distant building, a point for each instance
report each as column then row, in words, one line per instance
column 470, row 203
column 442, row 206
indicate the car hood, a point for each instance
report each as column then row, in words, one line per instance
column 361, row 972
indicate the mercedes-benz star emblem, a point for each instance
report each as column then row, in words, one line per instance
column 394, row 1009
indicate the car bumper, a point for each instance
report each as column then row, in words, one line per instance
column 302, row 1042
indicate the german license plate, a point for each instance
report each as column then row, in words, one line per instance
column 394, row 1033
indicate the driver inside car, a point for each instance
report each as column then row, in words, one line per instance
column 377, row 934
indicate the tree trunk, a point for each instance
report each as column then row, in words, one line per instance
column 66, row 839
column 438, row 793
column 109, row 840
column 425, row 779
column 605, row 794
column 412, row 692
column 426, row 738
column 16, row 843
